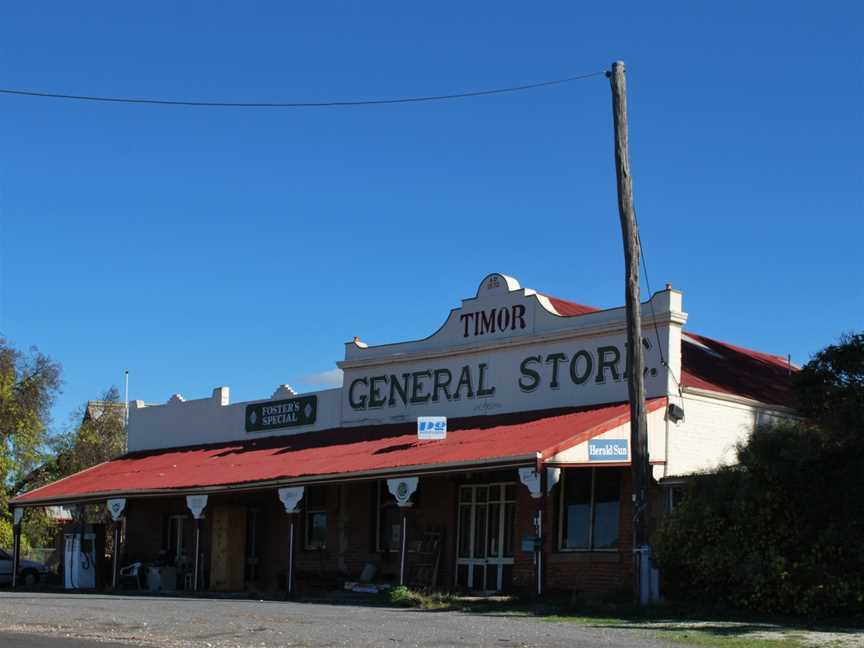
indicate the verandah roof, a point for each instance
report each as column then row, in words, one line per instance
column 338, row 454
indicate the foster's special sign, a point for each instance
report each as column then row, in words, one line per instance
column 282, row 413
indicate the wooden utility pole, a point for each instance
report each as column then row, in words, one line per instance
column 635, row 360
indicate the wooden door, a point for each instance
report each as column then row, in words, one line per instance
column 228, row 549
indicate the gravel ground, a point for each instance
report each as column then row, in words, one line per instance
column 17, row 640
column 181, row 622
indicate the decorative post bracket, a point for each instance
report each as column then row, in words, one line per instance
column 531, row 478
column 116, row 507
column 290, row 498
column 402, row 488
column 196, row 504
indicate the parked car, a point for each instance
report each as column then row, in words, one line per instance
column 29, row 572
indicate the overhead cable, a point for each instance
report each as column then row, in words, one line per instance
column 294, row 104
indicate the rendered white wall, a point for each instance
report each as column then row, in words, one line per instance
column 710, row 431
column 212, row 420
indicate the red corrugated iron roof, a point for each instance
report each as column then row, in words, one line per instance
column 567, row 308
column 729, row 369
column 342, row 452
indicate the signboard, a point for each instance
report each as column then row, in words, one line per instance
column 608, row 450
column 290, row 412
column 431, row 428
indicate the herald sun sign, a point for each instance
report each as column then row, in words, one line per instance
column 432, row 428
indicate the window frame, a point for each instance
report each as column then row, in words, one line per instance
column 309, row 511
column 561, row 505
column 673, row 493
column 177, row 540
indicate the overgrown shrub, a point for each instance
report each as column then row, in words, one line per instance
column 781, row 532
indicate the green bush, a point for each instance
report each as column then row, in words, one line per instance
column 406, row 597
column 781, row 532
column 403, row 597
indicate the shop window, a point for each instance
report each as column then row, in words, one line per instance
column 674, row 493
column 316, row 517
column 388, row 521
column 589, row 509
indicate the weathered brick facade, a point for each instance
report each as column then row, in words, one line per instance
column 350, row 544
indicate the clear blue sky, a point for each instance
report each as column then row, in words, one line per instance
column 206, row 247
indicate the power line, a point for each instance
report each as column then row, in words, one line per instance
column 296, row 104
column 654, row 314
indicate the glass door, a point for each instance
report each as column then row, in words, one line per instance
column 487, row 521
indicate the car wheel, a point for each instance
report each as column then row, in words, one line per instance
column 29, row 578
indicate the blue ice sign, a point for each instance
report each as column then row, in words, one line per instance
column 431, row 428
column 607, row 450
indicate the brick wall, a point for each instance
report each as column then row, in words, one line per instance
column 351, row 522
column 351, row 536
column 593, row 573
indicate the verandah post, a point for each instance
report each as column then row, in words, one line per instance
column 531, row 478
column 290, row 497
column 17, row 518
column 402, row 488
column 197, row 554
column 402, row 551
column 291, row 554
column 196, row 505
column 116, row 562
column 541, row 537
column 117, row 508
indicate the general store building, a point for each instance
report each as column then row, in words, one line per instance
column 529, row 491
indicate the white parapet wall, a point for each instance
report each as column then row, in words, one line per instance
column 181, row 422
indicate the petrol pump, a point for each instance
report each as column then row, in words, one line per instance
column 83, row 551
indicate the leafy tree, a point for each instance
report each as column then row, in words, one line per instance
column 831, row 387
column 99, row 436
column 29, row 383
column 97, row 433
